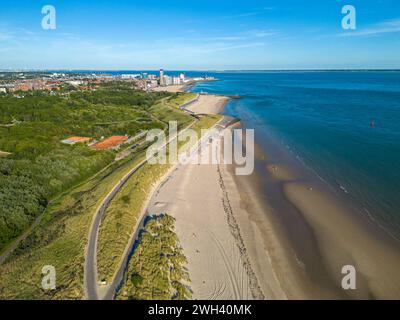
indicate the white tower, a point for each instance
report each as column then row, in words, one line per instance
column 162, row 79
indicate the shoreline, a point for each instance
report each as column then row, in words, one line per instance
column 326, row 231
column 209, row 231
column 319, row 233
column 300, row 233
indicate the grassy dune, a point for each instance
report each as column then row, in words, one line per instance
column 60, row 241
column 157, row 267
column 121, row 216
column 181, row 98
column 60, row 238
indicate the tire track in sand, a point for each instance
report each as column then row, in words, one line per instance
column 228, row 267
column 255, row 288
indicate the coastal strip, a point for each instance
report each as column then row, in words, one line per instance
column 205, row 206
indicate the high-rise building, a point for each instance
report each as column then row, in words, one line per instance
column 162, row 79
column 168, row 80
column 176, row 80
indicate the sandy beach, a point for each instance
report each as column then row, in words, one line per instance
column 173, row 88
column 346, row 240
column 209, row 104
column 219, row 263
column 275, row 234
column 315, row 233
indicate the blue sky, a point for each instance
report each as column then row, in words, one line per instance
column 199, row 35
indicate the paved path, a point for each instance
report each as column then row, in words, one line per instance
column 91, row 284
column 90, row 267
column 93, row 291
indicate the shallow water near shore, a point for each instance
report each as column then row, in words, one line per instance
column 319, row 191
column 343, row 126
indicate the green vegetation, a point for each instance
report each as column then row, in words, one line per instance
column 166, row 109
column 121, row 217
column 60, row 240
column 61, row 236
column 206, row 122
column 124, row 211
column 67, row 183
column 157, row 267
column 39, row 166
column 179, row 99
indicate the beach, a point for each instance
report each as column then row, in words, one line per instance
column 209, row 104
column 208, row 207
column 345, row 239
column 276, row 234
column 172, row 88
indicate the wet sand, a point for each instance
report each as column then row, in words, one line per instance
column 319, row 233
column 344, row 239
column 206, row 203
column 276, row 234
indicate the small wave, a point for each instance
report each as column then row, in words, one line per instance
column 380, row 225
column 343, row 189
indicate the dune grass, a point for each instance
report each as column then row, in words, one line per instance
column 180, row 99
column 60, row 240
column 61, row 237
column 121, row 216
column 157, row 267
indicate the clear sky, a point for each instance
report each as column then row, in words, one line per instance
column 199, row 35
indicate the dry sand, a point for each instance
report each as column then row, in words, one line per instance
column 174, row 88
column 209, row 104
column 193, row 196
column 207, row 206
column 239, row 248
column 233, row 249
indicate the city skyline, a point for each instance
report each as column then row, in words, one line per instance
column 258, row 35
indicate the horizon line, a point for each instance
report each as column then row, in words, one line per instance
column 199, row 70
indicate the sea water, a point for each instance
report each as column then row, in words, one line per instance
column 343, row 125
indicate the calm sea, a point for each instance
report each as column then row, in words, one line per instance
column 344, row 126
